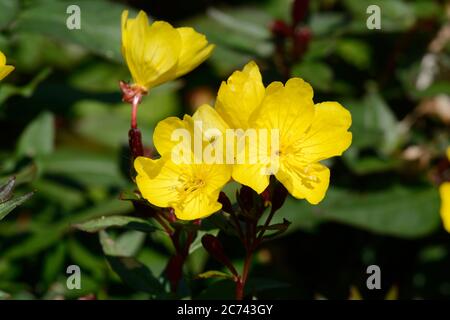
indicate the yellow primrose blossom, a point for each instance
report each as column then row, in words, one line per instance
column 308, row 133
column 191, row 189
column 157, row 52
column 444, row 191
column 4, row 68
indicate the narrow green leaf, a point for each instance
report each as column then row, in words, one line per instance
column 38, row 137
column 6, row 190
column 10, row 205
column 102, row 223
column 214, row 274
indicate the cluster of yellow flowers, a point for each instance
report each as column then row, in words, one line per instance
column 308, row 132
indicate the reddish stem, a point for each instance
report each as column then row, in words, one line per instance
column 242, row 280
column 134, row 107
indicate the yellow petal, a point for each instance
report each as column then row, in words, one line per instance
column 4, row 69
column 251, row 175
column 309, row 182
column 216, row 176
column 158, row 180
column 210, row 129
column 289, row 108
column 444, row 190
column 448, row 153
column 209, row 118
column 197, row 207
column 194, row 50
column 2, row 59
column 151, row 51
column 240, row 96
column 328, row 136
column 165, row 137
column 202, row 203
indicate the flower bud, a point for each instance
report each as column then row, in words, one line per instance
column 215, row 249
column 279, row 28
column 299, row 11
column 226, row 203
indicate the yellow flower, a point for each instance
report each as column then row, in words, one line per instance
column 157, row 52
column 307, row 133
column 444, row 191
column 4, row 68
column 191, row 189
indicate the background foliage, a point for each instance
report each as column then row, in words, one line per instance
column 64, row 137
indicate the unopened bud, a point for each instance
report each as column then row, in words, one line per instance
column 299, row 11
column 280, row 29
column 215, row 249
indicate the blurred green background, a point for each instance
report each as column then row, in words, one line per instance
column 64, row 136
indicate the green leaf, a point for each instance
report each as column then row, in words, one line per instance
column 247, row 33
column 222, row 289
column 86, row 259
column 197, row 243
column 251, row 22
column 318, row 74
column 6, row 190
column 38, row 137
column 354, row 52
column 369, row 164
column 126, row 245
column 67, row 196
column 380, row 116
column 8, row 11
column 214, row 274
column 34, row 244
column 8, row 90
column 54, row 263
column 401, row 211
column 10, row 205
column 100, row 24
column 86, row 168
column 102, row 223
column 106, row 208
column 279, row 228
column 135, row 274
column 323, row 24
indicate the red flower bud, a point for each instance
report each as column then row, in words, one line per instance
column 215, row 249
column 226, row 203
column 280, row 29
column 299, row 11
column 302, row 37
column 135, row 142
column 279, row 196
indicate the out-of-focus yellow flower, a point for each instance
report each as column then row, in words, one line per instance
column 191, row 189
column 4, row 68
column 157, row 52
column 308, row 132
column 444, row 191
